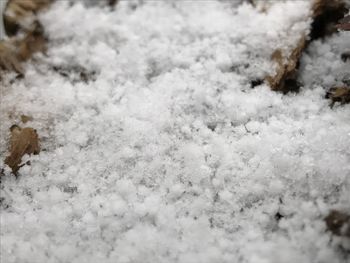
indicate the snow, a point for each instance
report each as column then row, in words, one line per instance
column 164, row 153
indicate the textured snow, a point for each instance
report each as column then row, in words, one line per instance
column 164, row 153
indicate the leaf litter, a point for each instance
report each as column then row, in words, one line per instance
column 23, row 141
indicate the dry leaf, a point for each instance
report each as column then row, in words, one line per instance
column 339, row 94
column 338, row 223
column 25, row 118
column 23, row 141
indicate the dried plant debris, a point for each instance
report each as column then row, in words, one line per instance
column 287, row 67
column 25, row 118
column 344, row 24
column 23, row 141
column 346, row 80
column 338, row 223
column 33, row 42
column 15, row 51
column 261, row 6
column 345, row 56
column 256, row 82
column 76, row 73
column 8, row 58
column 320, row 6
column 25, row 31
column 20, row 15
column 339, row 94
column 325, row 16
column 285, row 78
column 112, row 3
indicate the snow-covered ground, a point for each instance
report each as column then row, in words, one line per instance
column 160, row 151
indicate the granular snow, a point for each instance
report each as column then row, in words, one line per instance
column 163, row 152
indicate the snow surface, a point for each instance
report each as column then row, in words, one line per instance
column 163, row 152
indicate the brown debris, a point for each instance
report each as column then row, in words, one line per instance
column 261, row 6
column 8, row 58
column 320, row 6
column 15, row 51
column 112, row 3
column 286, row 67
column 32, row 43
column 345, row 56
column 324, row 13
column 23, row 141
column 19, row 12
column 338, row 223
column 25, row 118
column 20, row 16
column 344, row 24
column 339, row 94
column 75, row 73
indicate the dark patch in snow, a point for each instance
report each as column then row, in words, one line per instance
column 338, row 223
column 256, row 82
column 292, row 85
column 324, row 24
column 212, row 126
column 70, row 189
column 345, row 56
column 278, row 216
column 76, row 73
